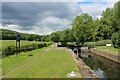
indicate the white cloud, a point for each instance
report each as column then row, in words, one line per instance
column 97, row 0
column 45, row 26
column 11, row 27
column 39, row 0
column 0, row 26
column 50, row 24
column 95, row 9
column 99, row 16
column 15, row 28
column 59, row 0
column 55, row 21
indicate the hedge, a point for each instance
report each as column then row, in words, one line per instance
column 11, row 50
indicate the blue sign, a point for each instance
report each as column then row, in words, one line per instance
column 17, row 37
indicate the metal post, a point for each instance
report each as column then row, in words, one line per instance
column 16, row 48
column 17, row 42
column 19, row 47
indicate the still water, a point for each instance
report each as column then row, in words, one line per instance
column 103, row 67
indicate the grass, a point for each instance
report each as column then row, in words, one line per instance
column 108, row 48
column 45, row 63
column 99, row 42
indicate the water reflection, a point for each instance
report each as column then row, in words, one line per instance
column 104, row 68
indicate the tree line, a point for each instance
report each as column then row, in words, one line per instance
column 11, row 35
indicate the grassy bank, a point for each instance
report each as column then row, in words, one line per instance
column 108, row 48
column 99, row 42
column 105, row 48
column 45, row 63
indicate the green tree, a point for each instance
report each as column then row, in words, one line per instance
column 30, row 37
column 83, row 27
column 45, row 38
column 65, row 35
column 116, row 39
column 116, row 16
column 55, row 36
column 105, row 30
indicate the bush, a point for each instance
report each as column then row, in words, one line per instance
column 116, row 39
column 11, row 50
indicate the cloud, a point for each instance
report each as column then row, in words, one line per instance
column 95, row 8
column 59, row 0
column 0, row 13
column 46, row 17
column 41, row 0
column 40, row 17
column 53, row 24
column 99, row 16
column 97, row 0
column 37, row 0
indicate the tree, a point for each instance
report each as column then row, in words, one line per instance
column 105, row 30
column 45, row 38
column 83, row 27
column 65, row 35
column 30, row 37
column 55, row 36
column 116, row 16
column 95, row 32
column 116, row 39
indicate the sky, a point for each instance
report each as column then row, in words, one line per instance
column 44, row 17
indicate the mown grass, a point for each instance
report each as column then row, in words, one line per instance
column 108, row 48
column 53, row 63
column 105, row 48
column 99, row 42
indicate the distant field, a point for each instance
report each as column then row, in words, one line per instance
column 46, row 62
column 6, row 43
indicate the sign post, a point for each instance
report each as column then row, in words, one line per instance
column 18, row 42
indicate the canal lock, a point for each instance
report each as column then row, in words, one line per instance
column 102, row 67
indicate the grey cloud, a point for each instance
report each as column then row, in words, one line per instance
column 29, row 14
column 0, row 13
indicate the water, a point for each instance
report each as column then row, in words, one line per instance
column 103, row 67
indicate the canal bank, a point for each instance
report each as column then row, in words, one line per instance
column 106, row 54
column 102, row 67
column 85, row 71
column 95, row 66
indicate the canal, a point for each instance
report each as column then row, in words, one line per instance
column 103, row 67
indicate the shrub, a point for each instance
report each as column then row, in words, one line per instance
column 11, row 50
column 116, row 39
